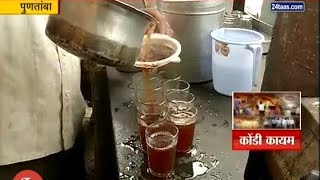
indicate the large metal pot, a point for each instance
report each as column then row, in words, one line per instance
column 192, row 22
column 109, row 33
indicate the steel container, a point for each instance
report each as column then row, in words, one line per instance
column 107, row 32
column 192, row 22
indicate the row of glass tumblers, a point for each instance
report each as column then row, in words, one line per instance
column 163, row 105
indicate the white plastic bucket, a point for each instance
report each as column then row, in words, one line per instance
column 236, row 59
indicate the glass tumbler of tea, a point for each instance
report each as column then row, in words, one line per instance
column 146, row 81
column 150, row 109
column 151, row 101
column 153, row 106
column 179, row 100
column 150, row 95
column 186, row 122
column 176, row 85
column 167, row 76
column 144, row 120
column 148, row 89
column 162, row 138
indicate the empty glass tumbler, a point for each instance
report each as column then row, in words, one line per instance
column 179, row 100
column 176, row 85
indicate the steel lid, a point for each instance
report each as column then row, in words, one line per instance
column 191, row 7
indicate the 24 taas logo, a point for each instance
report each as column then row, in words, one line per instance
column 287, row 6
column 27, row 175
column 280, row 7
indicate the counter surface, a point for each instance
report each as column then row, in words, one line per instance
column 212, row 158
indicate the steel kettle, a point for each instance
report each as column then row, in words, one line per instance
column 107, row 32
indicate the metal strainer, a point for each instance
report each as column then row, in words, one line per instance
column 158, row 42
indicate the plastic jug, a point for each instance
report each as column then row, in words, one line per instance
column 236, row 59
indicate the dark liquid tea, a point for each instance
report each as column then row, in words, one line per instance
column 185, row 137
column 158, row 52
column 185, row 122
column 161, row 154
column 145, row 51
column 150, row 52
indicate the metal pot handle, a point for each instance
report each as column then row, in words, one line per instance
column 257, row 59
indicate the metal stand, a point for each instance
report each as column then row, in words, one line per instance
column 106, row 165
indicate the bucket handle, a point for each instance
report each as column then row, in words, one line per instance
column 257, row 59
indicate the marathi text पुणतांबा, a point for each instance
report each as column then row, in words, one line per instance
column 35, row 7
